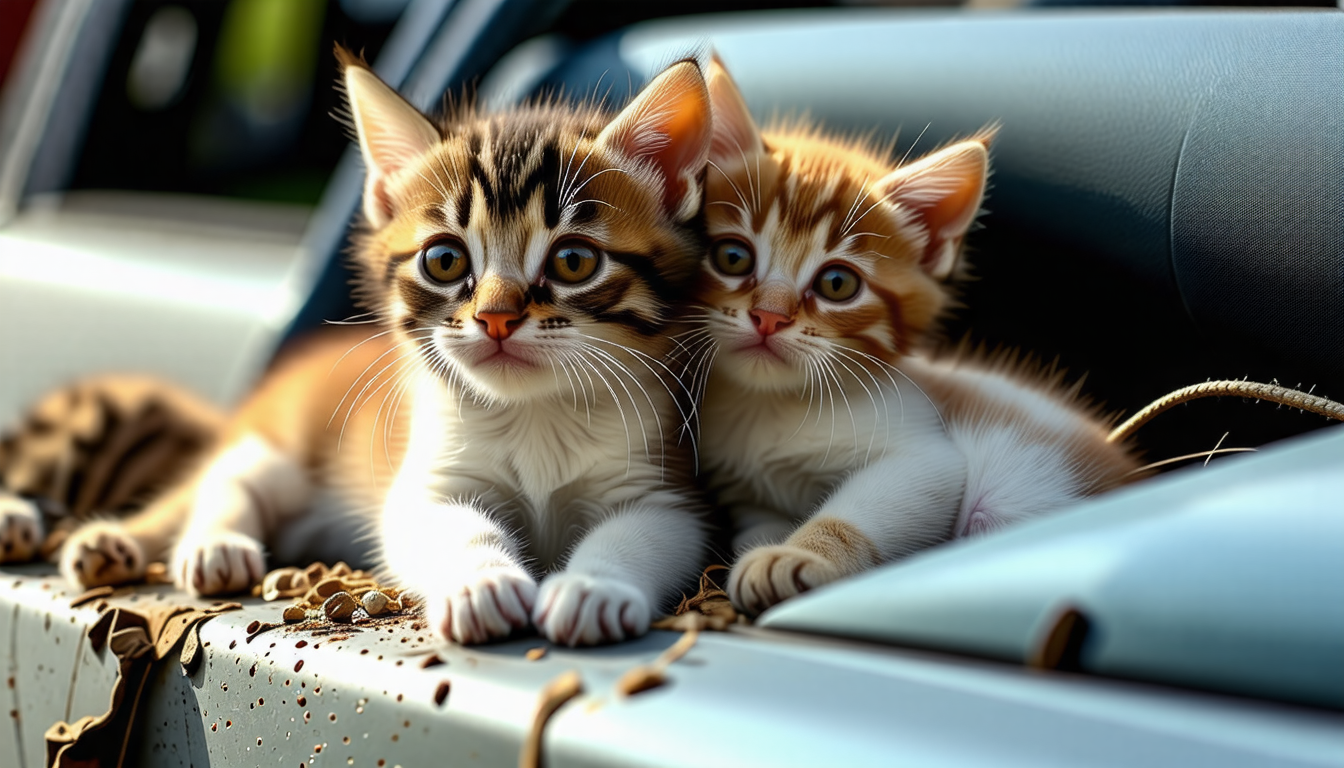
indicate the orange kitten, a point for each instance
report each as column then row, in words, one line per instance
column 824, row 278
column 528, row 267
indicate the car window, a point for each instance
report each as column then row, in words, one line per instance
column 226, row 97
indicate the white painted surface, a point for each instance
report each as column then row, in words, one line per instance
column 194, row 289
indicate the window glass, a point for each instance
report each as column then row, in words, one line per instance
column 227, row 97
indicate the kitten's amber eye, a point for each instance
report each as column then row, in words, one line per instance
column 445, row 261
column 733, row 257
column 836, row 284
column 572, row 261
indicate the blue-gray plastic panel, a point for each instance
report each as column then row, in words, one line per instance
column 1229, row 577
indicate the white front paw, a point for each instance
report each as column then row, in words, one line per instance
column 218, row 563
column 577, row 609
column 101, row 553
column 488, row 605
column 20, row 529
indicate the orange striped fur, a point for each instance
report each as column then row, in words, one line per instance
column 834, row 438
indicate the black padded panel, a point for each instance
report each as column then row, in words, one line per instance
column 1196, row 154
column 1258, row 206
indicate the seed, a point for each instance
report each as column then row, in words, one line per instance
column 295, row 613
column 375, row 603
column 339, row 607
column 281, row 583
column 328, row 587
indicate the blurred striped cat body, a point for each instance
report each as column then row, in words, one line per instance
column 97, row 448
column 502, row 438
column 832, row 435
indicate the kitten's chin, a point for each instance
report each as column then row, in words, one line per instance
column 759, row 369
column 501, row 376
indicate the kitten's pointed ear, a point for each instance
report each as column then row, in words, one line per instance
column 668, row 125
column 944, row 190
column 735, row 133
column 392, row 133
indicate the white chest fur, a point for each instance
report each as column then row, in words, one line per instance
column 546, row 463
column 785, row 452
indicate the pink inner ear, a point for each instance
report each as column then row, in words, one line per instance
column 735, row 133
column 377, row 192
column 944, row 190
column 683, row 153
column 668, row 124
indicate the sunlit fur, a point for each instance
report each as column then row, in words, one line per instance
column 511, row 186
column 479, row 463
column 839, row 419
column 804, row 203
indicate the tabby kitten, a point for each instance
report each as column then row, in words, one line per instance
column 526, row 267
column 825, row 274
column 98, row 448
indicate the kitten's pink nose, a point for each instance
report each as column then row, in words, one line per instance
column 768, row 322
column 498, row 325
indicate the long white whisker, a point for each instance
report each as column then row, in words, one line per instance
column 918, row 388
column 873, row 400
column 390, row 350
column 737, row 191
column 603, row 357
column 620, row 410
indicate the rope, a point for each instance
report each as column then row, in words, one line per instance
column 1252, row 389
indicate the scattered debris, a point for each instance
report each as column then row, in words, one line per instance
column 441, row 693
column 431, row 660
column 707, row 609
column 555, row 695
column 536, row 654
column 337, row 594
column 653, row 674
